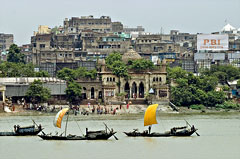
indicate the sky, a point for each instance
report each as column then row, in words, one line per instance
column 22, row 17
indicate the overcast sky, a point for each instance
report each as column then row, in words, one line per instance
column 22, row 17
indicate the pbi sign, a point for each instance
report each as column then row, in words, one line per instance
column 212, row 42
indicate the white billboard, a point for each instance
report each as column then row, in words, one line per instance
column 212, row 42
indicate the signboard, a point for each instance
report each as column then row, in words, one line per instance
column 212, row 42
column 154, row 59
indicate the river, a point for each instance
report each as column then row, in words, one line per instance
column 220, row 138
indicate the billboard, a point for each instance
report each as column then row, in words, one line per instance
column 212, row 42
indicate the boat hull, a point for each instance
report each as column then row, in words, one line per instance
column 154, row 134
column 90, row 136
column 23, row 131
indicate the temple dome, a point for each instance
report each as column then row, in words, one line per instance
column 228, row 27
column 130, row 55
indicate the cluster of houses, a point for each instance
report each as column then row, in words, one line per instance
column 86, row 41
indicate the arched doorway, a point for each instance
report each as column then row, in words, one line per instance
column 141, row 90
column 100, row 94
column 134, row 90
column 127, row 90
column 92, row 93
column 84, row 93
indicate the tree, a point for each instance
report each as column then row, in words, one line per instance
column 42, row 74
column 37, row 93
column 238, row 84
column 120, row 70
column 14, row 54
column 176, row 72
column 66, row 74
column 113, row 57
column 73, row 92
column 192, row 90
column 141, row 64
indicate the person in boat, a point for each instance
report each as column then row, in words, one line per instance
column 173, row 130
column 40, row 127
column 149, row 129
column 193, row 128
column 15, row 128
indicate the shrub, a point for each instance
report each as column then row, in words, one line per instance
column 197, row 106
column 228, row 105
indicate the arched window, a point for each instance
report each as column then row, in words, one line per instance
column 107, row 79
column 113, row 79
column 157, row 79
column 110, row 79
column 153, row 79
column 160, row 79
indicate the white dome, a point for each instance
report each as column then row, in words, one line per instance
column 228, row 27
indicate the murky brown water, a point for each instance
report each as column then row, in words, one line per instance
column 220, row 138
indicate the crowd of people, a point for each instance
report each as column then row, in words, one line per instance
column 77, row 109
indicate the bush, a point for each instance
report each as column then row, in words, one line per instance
column 197, row 106
column 228, row 105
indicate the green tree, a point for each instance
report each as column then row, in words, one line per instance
column 14, row 54
column 73, row 92
column 42, row 74
column 176, row 72
column 141, row 64
column 113, row 57
column 238, row 84
column 37, row 93
column 66, row 74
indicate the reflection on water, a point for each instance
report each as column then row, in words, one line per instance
column 220, row 138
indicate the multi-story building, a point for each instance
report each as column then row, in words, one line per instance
column 6, row 40
column 75, row 25
column 157, row 45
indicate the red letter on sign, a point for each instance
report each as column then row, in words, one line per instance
column 213, row 42
column 206, row 41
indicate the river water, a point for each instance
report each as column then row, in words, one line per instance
column 220, row 138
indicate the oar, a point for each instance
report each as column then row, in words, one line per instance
column 110, row 130
column 191, row 126
column 37, row 126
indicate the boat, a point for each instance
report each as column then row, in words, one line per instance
column 150, row 119
column 23, row 131
column 90, row 135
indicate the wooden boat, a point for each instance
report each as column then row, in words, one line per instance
column 90, row 135
column 23, row 131
column 150, row 119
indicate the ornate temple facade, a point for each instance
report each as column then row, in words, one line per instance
column 112, row 89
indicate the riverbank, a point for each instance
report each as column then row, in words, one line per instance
column 114, row 110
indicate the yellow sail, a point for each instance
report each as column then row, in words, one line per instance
column 150, row 115
column 59, row 116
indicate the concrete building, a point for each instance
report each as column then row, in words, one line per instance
column 6, row 40
column 16, row 88
column 76, row 25
column 157, row 45
column 43, row 29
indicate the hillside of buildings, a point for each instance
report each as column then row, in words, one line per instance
column 91, row 61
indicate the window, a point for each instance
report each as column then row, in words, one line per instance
column 153, row 79
column 42, row 45
column 157, row 79
column 113, row 79
column 110, row 79
column 107, row 79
